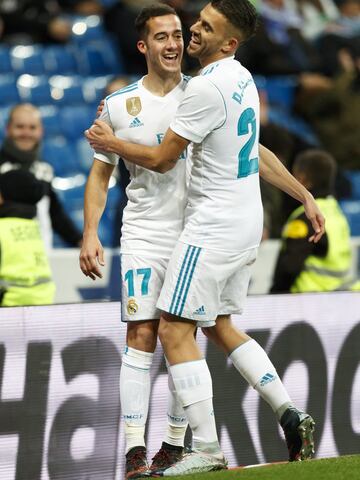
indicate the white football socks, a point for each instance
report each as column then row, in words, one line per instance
column 194, row 387
column 135, row 394
column 177, row 420
column 251, row 360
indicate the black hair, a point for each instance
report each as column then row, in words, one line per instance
column 240, row 13
column 320, row 169
column 151, row 11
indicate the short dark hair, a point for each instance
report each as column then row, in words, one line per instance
column 151, row 11
column 240, row 13
column 320, row 169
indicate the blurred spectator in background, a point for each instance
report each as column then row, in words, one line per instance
column 25, row 276
column 278, row 48
column 20, row 150
column 333, row 108
column 315, row 15
column 304, row 266
column 342, row 34
column 31, row 21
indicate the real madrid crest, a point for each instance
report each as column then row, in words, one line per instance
column 133, row 106
column 132, row 306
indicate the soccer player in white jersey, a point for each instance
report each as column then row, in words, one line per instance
column 152, row 223
column 209, row 270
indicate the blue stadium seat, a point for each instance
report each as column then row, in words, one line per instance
column 50, row 120
column 86, row 29
column 72, row 199
column 66, row 89
column 100, row 58
column 34, row 89
column 5, row 63
column 354, row 178
column 75, row 119
column 71, row 195
column 281, row 91
column 27, row 59
column 61, row 156
column 293, row 124
column 351, row 209
column 59, row 59
column 107, row 224
column 8, row 90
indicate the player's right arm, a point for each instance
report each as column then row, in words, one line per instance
column 92, row 252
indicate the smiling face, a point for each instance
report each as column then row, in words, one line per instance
column 163, row 46
column 25, row 127
column 212, row 37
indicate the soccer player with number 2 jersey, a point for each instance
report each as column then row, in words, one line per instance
column 208, row 273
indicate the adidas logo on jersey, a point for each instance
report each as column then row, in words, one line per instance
column 136, row 123
column 267, row 378
column 200, row 311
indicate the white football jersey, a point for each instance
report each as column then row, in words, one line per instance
column 154, row 215
column 220, row 115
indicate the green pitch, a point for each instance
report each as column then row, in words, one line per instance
column 340, row 468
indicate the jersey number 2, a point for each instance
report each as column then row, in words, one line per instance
column 129, row 278
column 247, row 165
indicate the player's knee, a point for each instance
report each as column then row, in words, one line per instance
column 165, row 333
column 143, row 336
column 168, row 335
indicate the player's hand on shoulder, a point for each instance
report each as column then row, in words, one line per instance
column 100, row 136
column 91, row 257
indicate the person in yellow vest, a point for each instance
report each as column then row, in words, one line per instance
column 303, row 266
column 25, row 275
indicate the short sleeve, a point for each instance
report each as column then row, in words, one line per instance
column 107, row 157
column 201, row 110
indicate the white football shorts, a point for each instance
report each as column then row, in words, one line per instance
column 142, row 278
column 201, row 284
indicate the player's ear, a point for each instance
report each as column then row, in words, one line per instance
column 141, row 45
column 230, row 45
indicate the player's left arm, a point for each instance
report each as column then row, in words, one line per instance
column 159, row 158
column 274, row 172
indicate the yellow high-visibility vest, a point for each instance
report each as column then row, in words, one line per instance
column 332, row 272
column 25, row 275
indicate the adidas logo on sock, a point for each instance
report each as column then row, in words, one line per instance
column 136, row 123
column 200, row 311
column 267, row 378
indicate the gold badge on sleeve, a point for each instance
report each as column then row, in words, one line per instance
column 132, row 306
column 133, row 106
